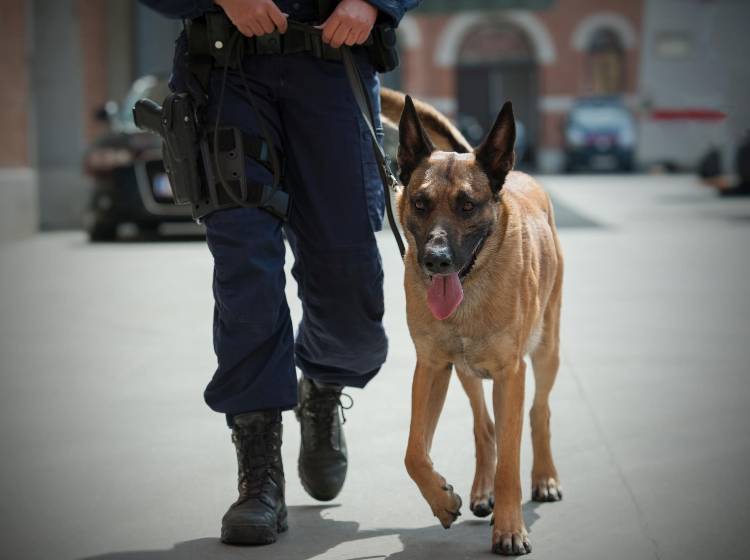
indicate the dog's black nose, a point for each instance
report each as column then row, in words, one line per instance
column 438, row 260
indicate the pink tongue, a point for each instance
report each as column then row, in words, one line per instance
column 444, row 295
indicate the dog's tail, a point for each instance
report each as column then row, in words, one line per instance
column 442, row 132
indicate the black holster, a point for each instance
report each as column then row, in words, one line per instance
column 383, row 51
column 200, row 176
column 175, row 123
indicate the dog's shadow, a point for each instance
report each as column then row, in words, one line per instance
column 311, row 535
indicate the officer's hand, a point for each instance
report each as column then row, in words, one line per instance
column 350, row 23
column 254, row 17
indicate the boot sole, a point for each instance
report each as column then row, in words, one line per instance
column 254, row 534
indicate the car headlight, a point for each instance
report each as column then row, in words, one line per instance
column 105, row 159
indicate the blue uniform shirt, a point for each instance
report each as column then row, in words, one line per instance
column 297, row 9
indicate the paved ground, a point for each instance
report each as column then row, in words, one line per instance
column 108, row 451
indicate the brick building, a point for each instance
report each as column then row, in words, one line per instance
column 61, row 61
column 18, row 207
column 468, row 57
column 680, row 64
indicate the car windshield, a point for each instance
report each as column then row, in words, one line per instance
column 147, row 86
column 597, row 118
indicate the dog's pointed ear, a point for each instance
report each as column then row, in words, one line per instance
column 414, row 144
column 495, row 154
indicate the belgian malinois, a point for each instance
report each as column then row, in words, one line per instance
column 483, row 287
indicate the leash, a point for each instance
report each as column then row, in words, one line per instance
column 356, row 83
column 390, row 183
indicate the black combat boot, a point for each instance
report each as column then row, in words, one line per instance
column 322, row 454
column 259, row 513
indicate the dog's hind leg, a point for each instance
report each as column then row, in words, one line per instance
column 429, row 388
column 482, row 495
column 545, row 359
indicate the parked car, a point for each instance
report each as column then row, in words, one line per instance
column 130, row 183
column 600, row 135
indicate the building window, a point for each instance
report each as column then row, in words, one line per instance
column 605, row 65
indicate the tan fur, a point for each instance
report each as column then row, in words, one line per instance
column 511, row 308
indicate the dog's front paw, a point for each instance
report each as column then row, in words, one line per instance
column 511, row 544
column 509, row 535
column 482, row 507
column 447, row 507
column 546, row 490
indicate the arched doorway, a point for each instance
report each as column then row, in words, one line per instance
column 496, row 63
column 605, row 63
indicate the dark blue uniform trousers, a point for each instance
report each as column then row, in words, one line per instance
column 337, row 204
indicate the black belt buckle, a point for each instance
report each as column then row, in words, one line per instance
column 268, row 44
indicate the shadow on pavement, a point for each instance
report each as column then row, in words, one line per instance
column 311, row 535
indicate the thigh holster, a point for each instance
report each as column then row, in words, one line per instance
column 206, row 167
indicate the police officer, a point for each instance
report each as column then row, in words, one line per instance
column 332, row 177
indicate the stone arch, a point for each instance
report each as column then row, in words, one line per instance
column 589, row 26
column 454, row 33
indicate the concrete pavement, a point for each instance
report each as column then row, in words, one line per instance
column 108, row 451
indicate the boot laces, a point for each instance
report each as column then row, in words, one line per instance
column 321, row 407
column 258, row 458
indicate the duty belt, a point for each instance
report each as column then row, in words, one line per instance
column 209, row 34
column 295, row 40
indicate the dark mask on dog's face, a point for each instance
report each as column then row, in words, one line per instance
column 450, row 195
column 451, row 201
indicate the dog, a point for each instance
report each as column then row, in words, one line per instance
column 483, row 281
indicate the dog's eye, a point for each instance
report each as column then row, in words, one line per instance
column 467, row 206
column 420, row 205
